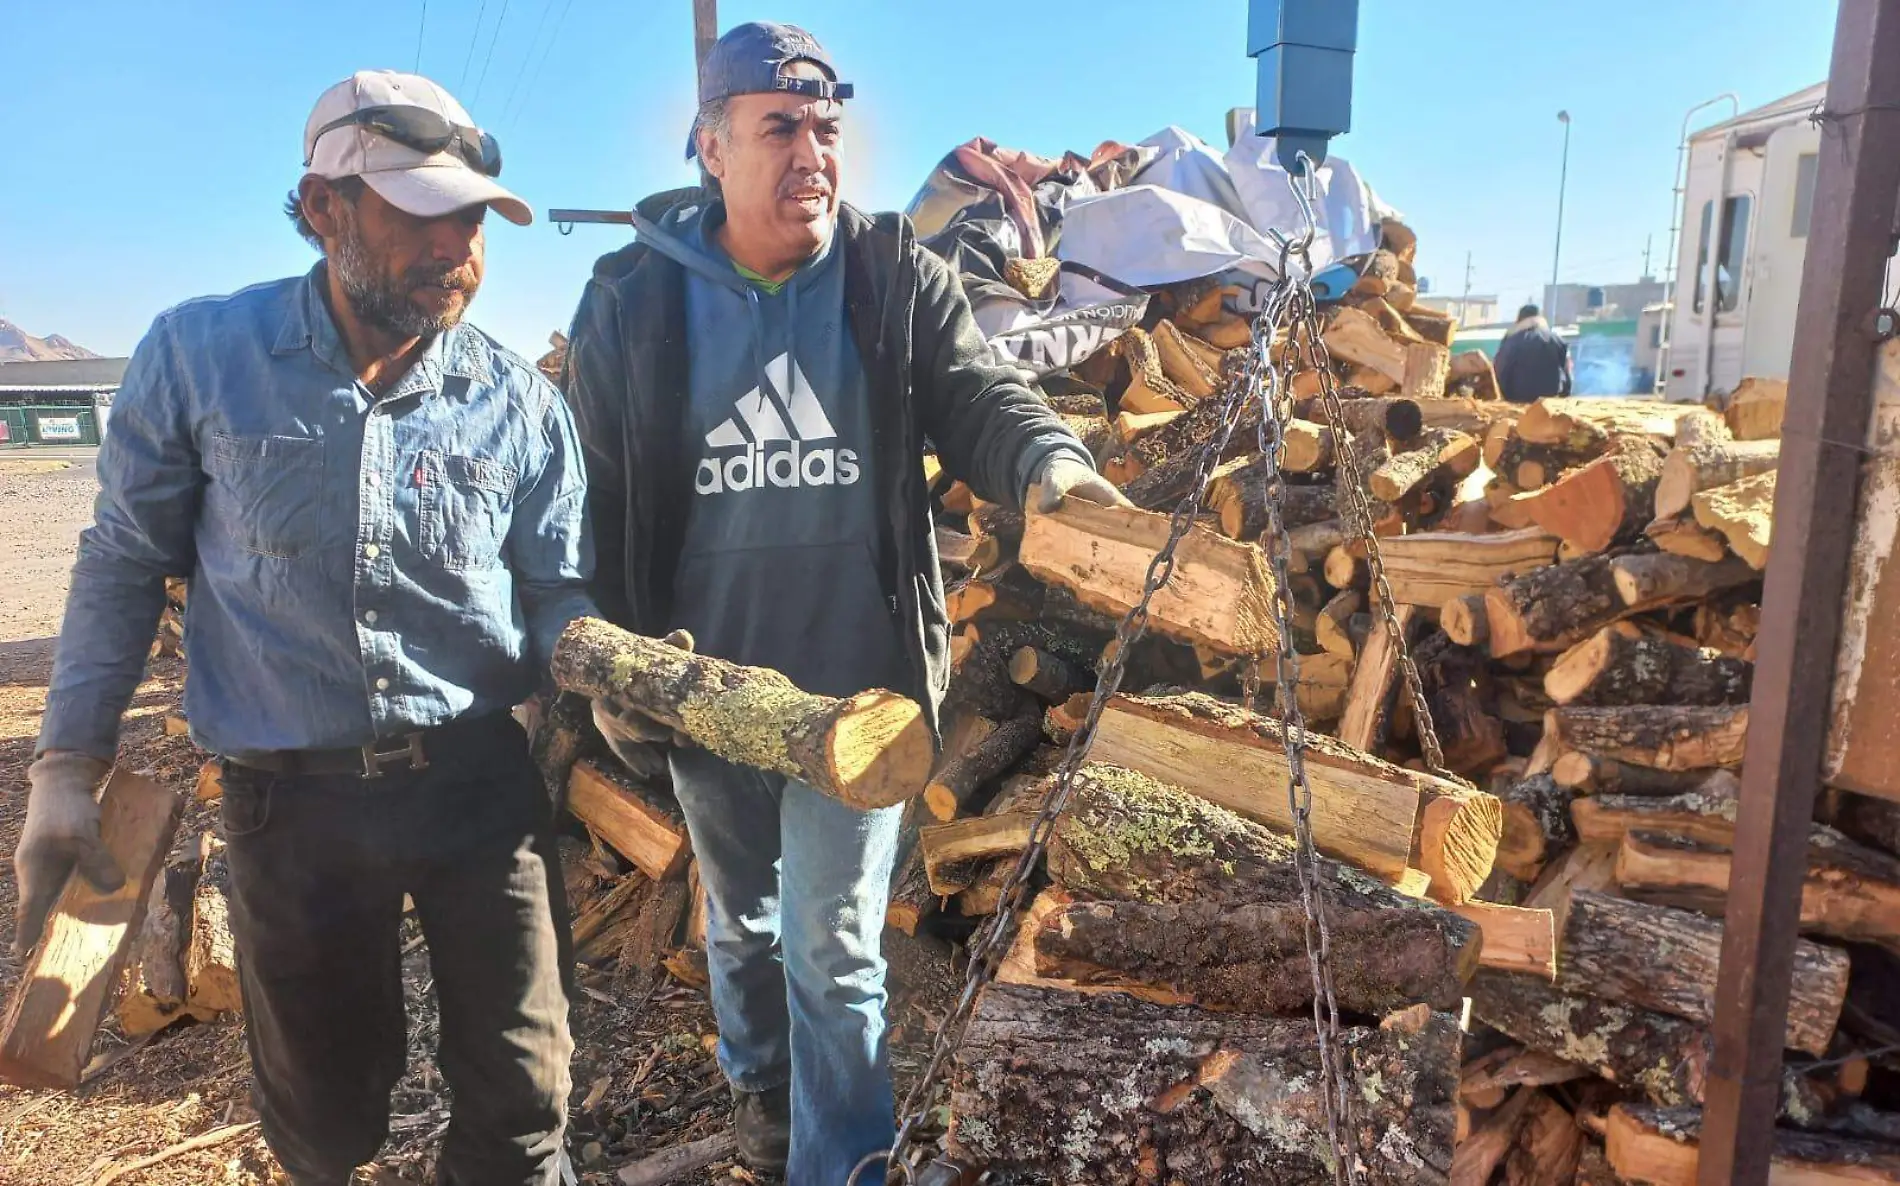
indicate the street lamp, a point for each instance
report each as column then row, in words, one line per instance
column 1563, row 181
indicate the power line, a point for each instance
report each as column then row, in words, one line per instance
column 547, row 51
column 534, row 39
column 473, row 37
column 500, row 22
column 420, row 26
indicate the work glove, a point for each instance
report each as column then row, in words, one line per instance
column 623, row 725
column 61, row 835
column 1064, row 475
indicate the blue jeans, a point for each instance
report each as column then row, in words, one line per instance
column 796, row 886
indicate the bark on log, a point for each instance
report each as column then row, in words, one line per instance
column 1660, row 1146
column 912, row 900
column 157, row 988
column 1427, row 368
column 1465, row 620
column 1606, row 502
column 1691, row 469
column 1462, row 700
column 1606, row 776
column 1649, row 581
column 988, row 753
column 1364, row 810
column 1182, row 364
column 1530, row 466
column 1435, row 450
column 1552, row 608
column 1392, row 419
column 1221, row 594
column 1663, row 737
column 1870, row 821
column 1537, row 825
column 1549, row 1146
column 1181, row 1094
column 1253, row 958
column 1238, row 494
column 1432, row 568
column 1665, row 1058
column 66, row 985
column 1744, row 512
column 1167, row 458
column 1045, row 676
column 869, row 750
column 211, row 957
column 1706, row 814
column 1850, row 892
column 1623, row 665
column 1666, row 960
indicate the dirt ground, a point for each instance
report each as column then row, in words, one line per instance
column 644, row 1077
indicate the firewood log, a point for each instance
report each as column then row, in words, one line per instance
column 953, row 550
column 1310, row 546
column 1427, row 368
column 1649, row 581
column 1390, row 418
column 1464, row 619
column 869, row 750
column 1683, row 536
column 1708, row 464
column 1516, row 938
column 957, row 853
column 1221, row 594
column 1744, row 512
column 1548, row 1146
column 959, row 774
column 157, row 988
column 1305, row 447
column 1608, row 501
column 911, row 898
column 211, row 957
column 1434, row 451
column 1552, row 608
column 1484, row 1082
column 1583, row 423
column 1663, row 737
column 1211, row 1096
column 1433, row 325
column 1870, row 821
column 1185, row 366
column 1432, row 568
column 1704, row 813
column 1132, row 426
column 1756, row 407
column 1623, row 665
column 1356, row 337
column 1479, row 1155
column 1167, row 458
column 1149, row 388
column 1606, row 776
column 1346, row 567
column 1045, row 676
column 981, row 684
column 1334, row 624
column 639, row 822
column 1238, row 494
column 1663, row 959
column 1660, row 1146
column 1375, row 678
column 1665, row 1058
column 1253, row 957
column 1851, row 892
column 1537, row 825
column 1459, row 692
column 1096, row 433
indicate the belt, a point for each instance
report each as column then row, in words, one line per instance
column 400, row 752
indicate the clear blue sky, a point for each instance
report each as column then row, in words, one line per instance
column 145, row 148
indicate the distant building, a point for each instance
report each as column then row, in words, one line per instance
column 1469, row 310
column 58, row 403
column 1568, row 304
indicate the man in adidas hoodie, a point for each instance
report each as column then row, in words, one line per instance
column 754, row 381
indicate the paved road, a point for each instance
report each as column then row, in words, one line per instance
column 47, row 453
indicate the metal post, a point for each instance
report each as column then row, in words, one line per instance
column 1830, row 396
column 705, row 31
column 1563, row 183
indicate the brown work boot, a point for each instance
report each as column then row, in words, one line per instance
column 763, row 1123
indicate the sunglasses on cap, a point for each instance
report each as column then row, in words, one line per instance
column 427, row 132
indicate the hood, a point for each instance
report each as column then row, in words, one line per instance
column 1529, row 323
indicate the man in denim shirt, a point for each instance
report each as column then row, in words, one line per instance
column 380, row 512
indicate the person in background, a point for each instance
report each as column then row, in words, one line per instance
column 755, row 379
column 381, row 512
column 1532, row 361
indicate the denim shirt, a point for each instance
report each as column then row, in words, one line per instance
column 360, row 566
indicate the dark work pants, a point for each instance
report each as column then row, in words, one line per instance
column 319, row 866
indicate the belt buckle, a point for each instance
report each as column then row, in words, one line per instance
column 410, row 747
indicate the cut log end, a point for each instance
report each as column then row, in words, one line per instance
column 880, row 750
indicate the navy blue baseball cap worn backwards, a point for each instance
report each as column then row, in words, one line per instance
column 751, row 59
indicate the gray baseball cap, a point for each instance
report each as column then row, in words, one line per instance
column 750, row 59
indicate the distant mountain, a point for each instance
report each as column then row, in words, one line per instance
column 16, row 345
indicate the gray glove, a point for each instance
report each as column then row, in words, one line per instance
column 1065, row 475
column 61, row 834
column 621, row 724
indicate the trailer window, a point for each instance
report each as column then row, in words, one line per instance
column 1728, row 265
column 1804, row 166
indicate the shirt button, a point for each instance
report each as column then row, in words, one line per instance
column 382, row 684
column 372, row 551
column 369, row 615
column 375, row 480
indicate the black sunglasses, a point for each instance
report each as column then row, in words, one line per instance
column 425, row 131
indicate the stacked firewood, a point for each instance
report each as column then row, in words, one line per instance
column 1579, row 582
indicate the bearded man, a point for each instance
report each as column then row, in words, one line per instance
column 380, row 511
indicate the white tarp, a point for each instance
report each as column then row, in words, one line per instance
column 1348, row 213
column 1148, row 236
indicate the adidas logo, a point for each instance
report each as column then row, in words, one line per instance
column 773, row 427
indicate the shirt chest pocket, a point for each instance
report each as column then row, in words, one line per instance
column 264, row 493
column 466, row 506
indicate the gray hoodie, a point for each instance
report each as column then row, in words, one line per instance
column 779, row 565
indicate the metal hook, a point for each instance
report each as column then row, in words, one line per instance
column 566, row 228
column 889, row 1159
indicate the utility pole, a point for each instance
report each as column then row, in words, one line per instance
column 1563, row 182
column 705, row 31
column 1649, row 241
column 1464, row 305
